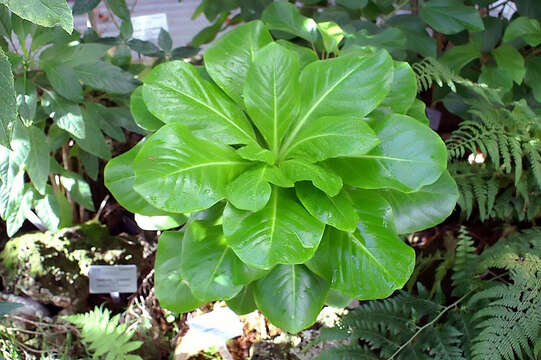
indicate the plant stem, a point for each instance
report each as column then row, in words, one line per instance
column 429, row 324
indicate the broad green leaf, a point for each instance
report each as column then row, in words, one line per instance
column 184, row 52
column 410, row 156
column 176, row 92
column 283, row 232
column 369, row 263
column 120, row 179
column 146, row 48
column 417, row 38
column 496, row 77
column 64, row 80
column 418, row 112
column 90, row 164
column 255, row 152
column 94, row 141
column 164, row 40
column 81, row 7
column 209, row 33
column 119, row 8
column 250, row 190
column 160, row 222
column 451, row 16
column 332, row 136
column 27, row 100
column 180, row 173
column 228, row 59
column 337, row 299
column 57, row 36
column 48, row 210
column 111, row 79
column 283, row 16
column 43, row 12
column 391, row 39
column 322, row 178
column 74, row 183
column 271, row 92
column 291, row 297
column 207, row 262
column 353, row 4
column 171, row 289
column 525, row 28
column 459, row 56
column 425, row 208
column 243, row 303
column 331, row 34
column 24, row 30
column 509, row 59
column 17, row 216
column 104, row 119
column 65, row 114
column 404, row 89
column 33, row 142
column 243, row 274
column 140, row 112
column 5, row 21
column 74, row 55
column 328, row 87
column 8, row 104
column 533, row 76
column 277, row 176
column 304, row 54
column 336, row 211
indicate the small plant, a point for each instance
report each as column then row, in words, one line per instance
column 298, row 175
column 104, row 336
column 489, row 319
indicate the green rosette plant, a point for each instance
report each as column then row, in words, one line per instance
column 296, row 176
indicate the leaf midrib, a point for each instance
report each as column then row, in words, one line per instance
column 363, row 248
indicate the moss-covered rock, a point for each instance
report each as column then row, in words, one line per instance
column 53, row 268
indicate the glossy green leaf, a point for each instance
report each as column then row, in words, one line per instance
column 391, row 39
column 418, row 112
column 271, row 92
column 119, row 8
column 32, row 142
column 171, row 290
column 111, row 79
column 243, row 303
column 291, row 297
column 336, row 211
column 278, row 177
column 94, row 141
column 176, row 92
column 207, row 262
column 66, row 115
column 304, row 54
column 369, row 263
column 140, row 112
column 229, row 58
column 322, row 178
column 497, row 78
column 459, row 56
column 410, row 156
column 146, row 48
column 250, row 190
column 81, row 7
column 282, row 232
column 180, row 173
column 510, row 60
column 43, row 12
column 255, row 152
column 525, row 28
column 48, row 210
column 164, row 40
column 404, row 89
column 160, row 222
column 337, row 299
column 327, row 87
column 533, row 76
column 8, row 104
column 332, row 136
column 331, row 35
column 425, row 208
column 64, row 81
column 451, row 16
column 283, row 16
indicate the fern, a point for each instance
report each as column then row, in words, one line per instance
column 444, row 342
column 465, row 261
column 430, row 71
column 104, row 336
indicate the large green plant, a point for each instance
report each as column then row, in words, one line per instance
column 298, row 175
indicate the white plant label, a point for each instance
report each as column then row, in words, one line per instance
column 106, row 279
column 147, row 27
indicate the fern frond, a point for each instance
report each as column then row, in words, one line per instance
column 347, row 352
column 465, row 261
column 104, row 335
column 533, row 150
column 444, row 342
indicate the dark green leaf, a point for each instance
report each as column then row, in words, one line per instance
column 83, row 6
column 184, row 52
column 64, row 80
column 404, row 89
column 119, row 8
column 286, row 17
column 243, row 303
column 164, row 40
column 111, row 79
column 8, row 104
column 94, row 141
column 144, row 47
column 451, row 16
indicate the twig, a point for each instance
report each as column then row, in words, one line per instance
column 429, row 324
column 102, row 206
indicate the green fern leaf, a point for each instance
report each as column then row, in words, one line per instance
column 463, row 270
